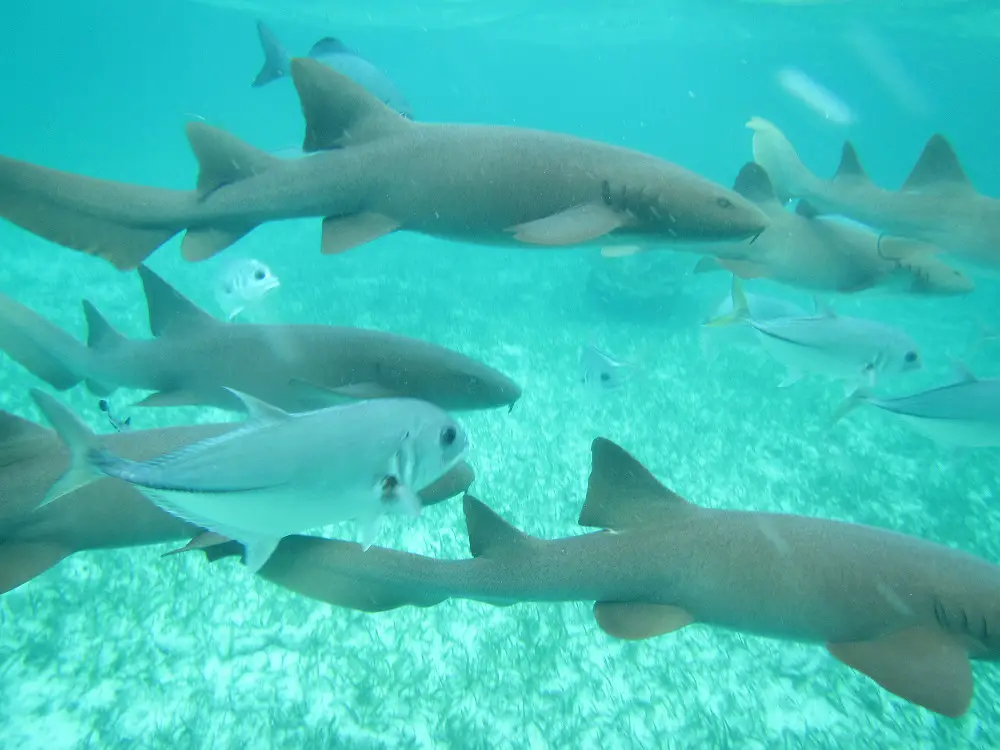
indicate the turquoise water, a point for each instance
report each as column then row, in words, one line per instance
column 123, row 648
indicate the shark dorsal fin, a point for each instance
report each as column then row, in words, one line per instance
column 937, row 164
column 100, row 333
column 489, row 534
column 170, row 312
column 850, row 166
column 339, row 112
column 223, row 158
column 329, row 45
column 622, row 493
column 754, row 184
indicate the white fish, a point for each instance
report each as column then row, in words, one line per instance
column 601, row 371
column 281, row 473
column 965, row 413
column 854, row 350
column 243, row 283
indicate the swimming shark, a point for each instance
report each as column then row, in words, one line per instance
column 828, row 254
column 375, row 172
column 110, row 513
column 937, row 203
column 906, row 612
column 194, row 357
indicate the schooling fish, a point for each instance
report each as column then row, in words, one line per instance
column 194, row 357
column 937, row 203
column 281, row 473
column 373, row 173
column 906, row 612
column 331, row 52
column 600, row 370
column 850, row 349
column 827, row 254
column 965, row 413
column 109, row 513
column 243, row 283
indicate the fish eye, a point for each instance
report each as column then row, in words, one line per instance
column 724, row 202
column 259, row 274
column 448, row 435
column 910, row 357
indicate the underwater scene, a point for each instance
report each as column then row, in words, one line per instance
column 499, row 374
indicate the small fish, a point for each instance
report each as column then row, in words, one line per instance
column 600, row 370
column 335, row 54
column 850, row 349
column 120, row 425
column 243, row 283
column 965, row 413
column 280, row 473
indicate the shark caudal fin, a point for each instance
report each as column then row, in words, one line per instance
column 775, row 153
column 276, row 61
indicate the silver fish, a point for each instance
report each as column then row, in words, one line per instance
column 600, row 370
column 855, row 350
column 243, row 283
column 965, row 413
column 281, row 473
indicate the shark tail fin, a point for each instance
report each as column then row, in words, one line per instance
column 849, row 404
column 83, row 445
column 740, row 311
column 42, row 348
column 276, row 61
column 774, row 152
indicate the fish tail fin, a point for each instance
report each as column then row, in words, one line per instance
column 41, row 347
column 740, row 311
column 774, row 152
column 276, row 61
column 83, row 445
column 849, row 404
column 22, row 561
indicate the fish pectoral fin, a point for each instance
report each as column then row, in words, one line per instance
column 204, row 540
column 922, row 665
column 341, row 233
column 636, row 621
column 581, row 223
column 258, row 551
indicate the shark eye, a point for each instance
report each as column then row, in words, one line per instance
column 448, row 435
column 910, row 357
column 724, row 202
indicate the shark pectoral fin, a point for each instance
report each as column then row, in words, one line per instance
column 922, row 665
column 204, row 540
column 200, row 244
column 708, row 264
column 581, row 223
column 745, row 269
column 370, row 527
column 362, row 391
column 455, row 481
column 22, row 561
column 188, row 398
column 258, row 551
column 341, row 233
column 621, row 251
column 636, row 621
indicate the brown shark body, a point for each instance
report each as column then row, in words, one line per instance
column 821, row 254
column 295, row 367
column 108, row 514
column 374, row 172
column 937, row 203
column 906, row 612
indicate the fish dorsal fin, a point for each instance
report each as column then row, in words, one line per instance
column 339, row 112
column 223, row 158
column 170, row 312
column 489, row 534
column 329, row 45
column 850, row 166
column 100, row 333
column 622, row 493
column 937, row 164
column 753, row 183
column 260, row 410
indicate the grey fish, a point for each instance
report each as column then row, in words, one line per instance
column 600, row 370
column 194, row 357
column 335, row 54
column 906, row 612
column 374, row 173
column 109, row 513
column 826, row 254
column 965, row 413
column 937, row 203
column 281, row 473
column 850, row 349
column 243, row 283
